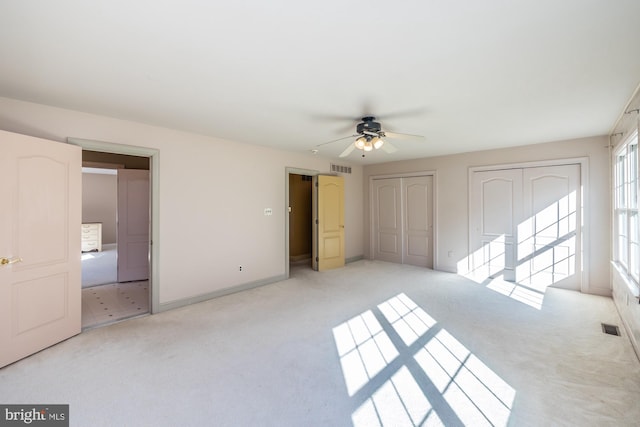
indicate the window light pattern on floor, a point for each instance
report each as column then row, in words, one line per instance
column 401, row 368
column 364, row 349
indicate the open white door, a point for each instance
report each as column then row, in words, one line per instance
column 328, row 206
column 133, row 225
column 40, row 220
column 550, row 235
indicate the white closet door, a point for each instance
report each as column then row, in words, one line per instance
column 549, row 235
column 418, row 220
column 525, row 226
column 387, row 218
column 495, row 209
column 403, row 220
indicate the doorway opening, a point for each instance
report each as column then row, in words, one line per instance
column 116, row 233
column 299, row 220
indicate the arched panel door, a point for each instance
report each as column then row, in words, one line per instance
column 387, row 220
column 40, row 224
column 403, row 220
column 329, row 224
column 418, row 221
column 525, row 226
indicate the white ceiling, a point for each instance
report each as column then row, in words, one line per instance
column 468, row 74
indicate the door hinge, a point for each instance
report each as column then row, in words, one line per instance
column 317, row 259
column 316, row 222
column 316, row 183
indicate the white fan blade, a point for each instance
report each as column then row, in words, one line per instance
column 348, row 150
column 388, row 147
column 396, row 135
column 336, row 140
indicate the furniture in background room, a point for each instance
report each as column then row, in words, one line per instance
column 92, row 236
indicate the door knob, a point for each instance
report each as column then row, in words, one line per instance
column 6, row 261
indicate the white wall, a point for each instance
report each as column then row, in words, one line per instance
column 452, row 217
column 625, row 297
column 212, row 198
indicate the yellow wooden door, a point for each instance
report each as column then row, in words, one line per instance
column 329, row 222
column 40, row 222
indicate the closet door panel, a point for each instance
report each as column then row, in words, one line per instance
column 495, row 209
column 387, row 220
column 548, row 235
column 418, row 220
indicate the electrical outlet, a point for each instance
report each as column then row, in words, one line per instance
column 268, row 211
column 240, row 268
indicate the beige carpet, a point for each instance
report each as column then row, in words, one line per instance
column 99, row 268
column 370, row 344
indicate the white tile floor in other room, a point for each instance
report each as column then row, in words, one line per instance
column 116, row 301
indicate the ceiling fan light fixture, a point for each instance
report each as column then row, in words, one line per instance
column 369, row 136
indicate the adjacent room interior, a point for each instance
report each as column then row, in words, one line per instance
column 109, row 293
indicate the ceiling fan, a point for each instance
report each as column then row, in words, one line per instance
column 370, row 136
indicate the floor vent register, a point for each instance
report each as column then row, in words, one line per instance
column 610, row 329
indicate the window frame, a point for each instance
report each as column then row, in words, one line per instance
column 626, row 215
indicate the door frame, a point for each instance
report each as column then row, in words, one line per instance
column 291, row 171
column 585, row 234
column 434, row 209
column 154, row 171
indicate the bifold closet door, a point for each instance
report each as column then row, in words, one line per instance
column 525, row 225
column 403, row 220
column 495, row 209
column 387, row 219
column 418, row 221
column 549, row 234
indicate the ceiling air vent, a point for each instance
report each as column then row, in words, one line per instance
column 340, row 168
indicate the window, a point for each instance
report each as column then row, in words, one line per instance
column 627, row 222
